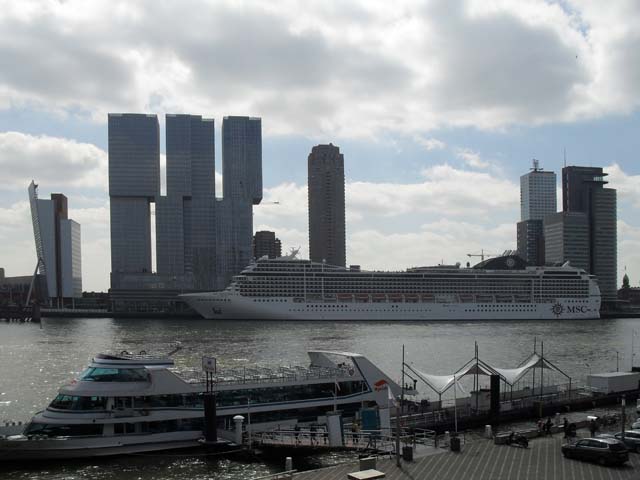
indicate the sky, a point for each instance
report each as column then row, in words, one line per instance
column 438, row 107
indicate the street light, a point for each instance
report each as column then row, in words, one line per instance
column 617, row 360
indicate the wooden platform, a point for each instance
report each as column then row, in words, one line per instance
column 482, row 460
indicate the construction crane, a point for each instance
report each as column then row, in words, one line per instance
column 482, row 255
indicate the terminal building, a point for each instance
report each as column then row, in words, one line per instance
column 58, row 247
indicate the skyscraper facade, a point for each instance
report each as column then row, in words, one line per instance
column 201, row 241
column 242, row 188
column 537, row 200
column 583, row 190
column 134, row 182
column 327, row 231
column 567, row 239
column 58, row 245
column 186, row 217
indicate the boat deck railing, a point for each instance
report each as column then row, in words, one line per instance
column 270, row 375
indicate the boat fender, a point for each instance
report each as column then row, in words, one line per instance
column 351, row 372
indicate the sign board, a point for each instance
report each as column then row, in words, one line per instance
column 209, row 364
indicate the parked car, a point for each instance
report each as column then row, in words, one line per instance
column 605, row 451
column 636, row 425
column 631, row 439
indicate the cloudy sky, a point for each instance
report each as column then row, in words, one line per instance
column 438, row 106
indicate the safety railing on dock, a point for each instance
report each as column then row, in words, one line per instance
column 278, row 476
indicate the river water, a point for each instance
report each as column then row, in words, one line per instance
column 36, row 359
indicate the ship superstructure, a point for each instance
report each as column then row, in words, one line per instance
column 499, row 288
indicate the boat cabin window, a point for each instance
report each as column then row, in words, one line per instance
column 99, row 374
column 122, row 428
column 69, row 402
column 56, row 430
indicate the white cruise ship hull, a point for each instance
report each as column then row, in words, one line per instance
column 232, row 306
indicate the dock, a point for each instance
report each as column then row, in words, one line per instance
column 482, row 460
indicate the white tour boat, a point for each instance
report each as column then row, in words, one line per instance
column 126, row 403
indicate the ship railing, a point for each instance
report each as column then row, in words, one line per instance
column 265, row 375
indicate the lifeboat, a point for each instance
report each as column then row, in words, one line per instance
column 411, row 298
column 378, row 297
column 345, row 297
column 362, row 297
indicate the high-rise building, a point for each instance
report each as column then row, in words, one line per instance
column 537, row 193
column 134, row 182
column 583, row 190
column 185, row 217
column 265, row 244
column 58, row 245
column 201, row 241
column 537, row 200
column 566, row 237
column 242, row 188
column 327, row 232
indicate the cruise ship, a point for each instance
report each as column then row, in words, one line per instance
column 502, row 287
column 125, row 403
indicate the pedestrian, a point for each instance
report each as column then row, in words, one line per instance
column 547, row 426
column 593, row 427
column 565, row 427
column 312, row 433
column 540, row 426
column 296, row 432
column 354, row 431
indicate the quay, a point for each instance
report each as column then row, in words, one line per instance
column 482, row 460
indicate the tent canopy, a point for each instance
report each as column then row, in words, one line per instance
column 441, row 383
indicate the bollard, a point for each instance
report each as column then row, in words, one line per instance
column 288, row 464
column 488, row 431
column 238, row 419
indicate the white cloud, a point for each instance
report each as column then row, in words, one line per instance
column 58, row 161
column 628, row 186
column 429, row 143
column 471, row 158
column 326, row 67
column 433, row 243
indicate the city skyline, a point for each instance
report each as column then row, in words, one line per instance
column 436, row 140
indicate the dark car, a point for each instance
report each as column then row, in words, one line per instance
column 631, row 439
column 605, row 451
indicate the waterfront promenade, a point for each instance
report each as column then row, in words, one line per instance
column 482, row 460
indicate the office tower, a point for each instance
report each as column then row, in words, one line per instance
column 58, row 245
column 265, row 244
column 185, row 217
column 583, row 190
column 242, row 188
column 134, row 182
column 537, row 199
column 326, row 205
column 566, row 237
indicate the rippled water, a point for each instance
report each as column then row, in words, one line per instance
column 36, row 359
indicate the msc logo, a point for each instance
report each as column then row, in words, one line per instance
column 577, row 309
column 557, row 309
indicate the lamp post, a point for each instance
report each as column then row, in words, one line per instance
column 617, row 361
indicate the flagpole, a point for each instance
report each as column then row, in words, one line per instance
column 399, row 412
column 455, row 403
column 335, row 395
